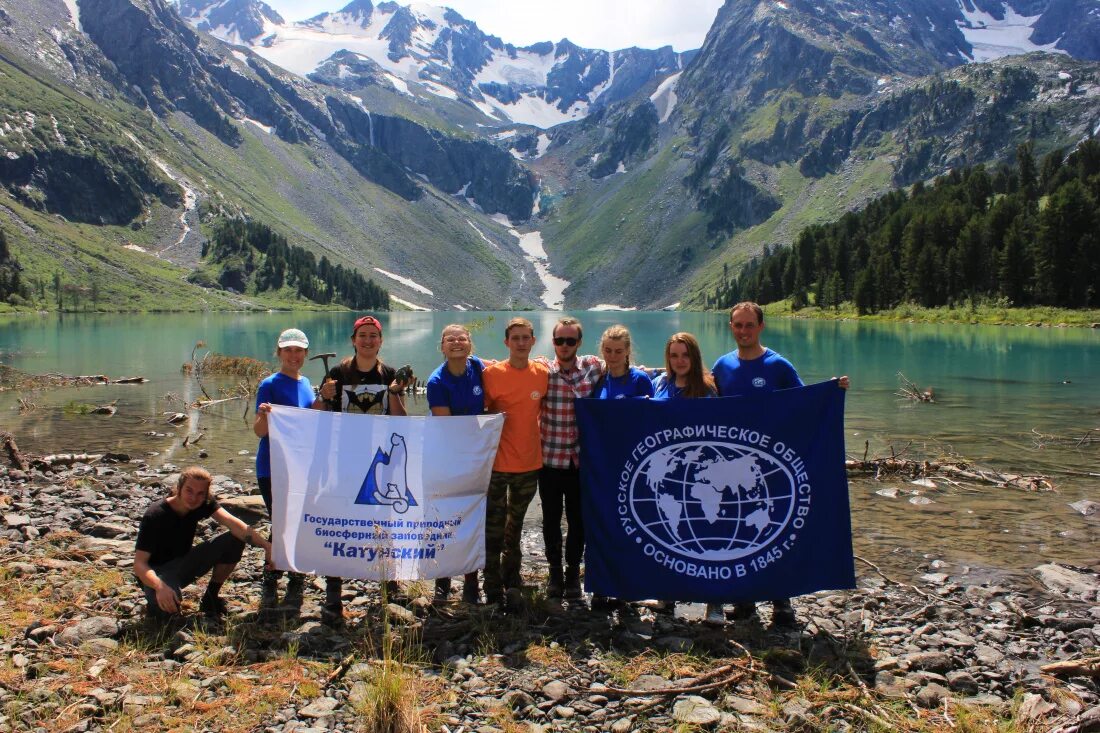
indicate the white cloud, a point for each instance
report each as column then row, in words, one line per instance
column 606, row 24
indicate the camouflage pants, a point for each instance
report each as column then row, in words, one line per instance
column 509, row 495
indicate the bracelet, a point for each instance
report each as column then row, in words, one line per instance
column 394, row 392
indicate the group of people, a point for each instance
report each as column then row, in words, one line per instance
column 538, row 449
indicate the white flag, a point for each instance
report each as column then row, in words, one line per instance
column 380, row 497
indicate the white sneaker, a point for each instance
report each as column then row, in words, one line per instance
column 715, row 615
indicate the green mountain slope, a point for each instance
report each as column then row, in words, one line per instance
column 720, row 180
column 117, row 198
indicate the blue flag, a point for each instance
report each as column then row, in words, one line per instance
column 716, row 500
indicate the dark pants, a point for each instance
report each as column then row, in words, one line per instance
column 264, row 482
column 558, row 486
column 225, row 549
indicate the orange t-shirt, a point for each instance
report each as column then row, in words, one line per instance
column 518, row 394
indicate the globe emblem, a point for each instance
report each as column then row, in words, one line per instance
column 712, row 501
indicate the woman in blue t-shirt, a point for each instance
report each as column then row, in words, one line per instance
column 454, row 388
column 685, row 377
column 620, row 380
column 285, row 387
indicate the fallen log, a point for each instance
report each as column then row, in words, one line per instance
column 65, row 459
column 130, row 380
column 1088, row 667
column 914, row 469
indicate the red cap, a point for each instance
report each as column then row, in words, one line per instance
column 367, row 321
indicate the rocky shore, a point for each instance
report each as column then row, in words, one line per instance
column 942, row 648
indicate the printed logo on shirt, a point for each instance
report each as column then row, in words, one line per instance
column 758, row 382
column 535, row 395
column 477, row 390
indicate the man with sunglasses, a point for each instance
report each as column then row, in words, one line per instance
column 571, row 376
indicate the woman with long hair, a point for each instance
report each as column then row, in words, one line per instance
column 685, row 377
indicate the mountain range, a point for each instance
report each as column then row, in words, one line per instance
column 428, row 52
column 459, row 171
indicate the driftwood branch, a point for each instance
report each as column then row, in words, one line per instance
column 960, row 470
column 1089, row 667
column 65, row 459
column 919, row 591
column 15, row 456
column 909, row 390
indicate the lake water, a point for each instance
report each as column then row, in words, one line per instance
column 994, row 387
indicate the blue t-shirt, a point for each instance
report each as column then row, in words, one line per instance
column 279, row 389
column 767, row 373
column 664, row 388
column 463, row 394
column 635, row 383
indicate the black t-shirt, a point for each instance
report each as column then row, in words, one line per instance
column 166, row 535
column 364, row 392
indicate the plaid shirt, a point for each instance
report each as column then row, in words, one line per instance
column 558, row 418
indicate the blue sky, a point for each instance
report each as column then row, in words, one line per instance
column 606, row 24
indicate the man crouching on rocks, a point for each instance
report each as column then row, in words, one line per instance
column 165, row 561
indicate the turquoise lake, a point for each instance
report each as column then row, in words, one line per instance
column 1014, row 399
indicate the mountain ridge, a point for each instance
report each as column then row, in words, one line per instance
column 440, row 53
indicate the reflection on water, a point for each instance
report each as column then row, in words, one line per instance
column 994, row 387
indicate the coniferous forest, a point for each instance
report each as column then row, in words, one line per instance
column 247, row 256
column 12, row 287
column 1025, row 234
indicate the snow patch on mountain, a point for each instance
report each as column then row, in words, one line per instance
column 408, row 303
column 481, row 234
column 992, row 38
column 664, row 99
column 266, row 128
column 532, row 109
column 74, row 13
column 407, row 282
column 611, row 307
column 553, row 296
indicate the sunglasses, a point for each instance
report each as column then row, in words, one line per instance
column 566, row 341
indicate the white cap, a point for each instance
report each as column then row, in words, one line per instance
column 293, row 337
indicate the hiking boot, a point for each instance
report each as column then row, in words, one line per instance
column 332, row 614
column 470, row 593
column 554, row 585
column 513, row 599
column 745, row 611
column 156, row 617
column 573, row 590
column 512, row 579
column 715, row 616
column 783, row 614
column 442, row 589
column 494, row 596
column 295, row 590
column 269, row 590
column 600, row 603
column 213, row 606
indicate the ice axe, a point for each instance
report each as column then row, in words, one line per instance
column 326, row 356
